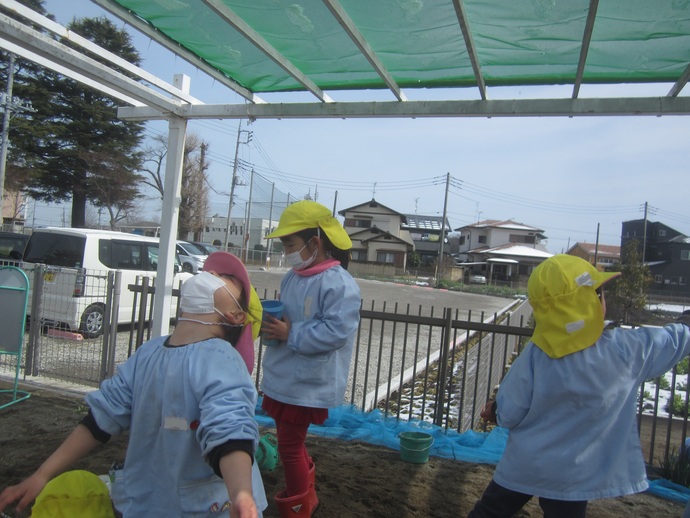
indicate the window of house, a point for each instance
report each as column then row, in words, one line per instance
column 662, row 233
column 462, row 240
column 385, row 257
column 658, row 279
column 357, row 222
column 685, row 255
column 519, row 238
column 359, row 255
column 681, row 281
column 481, row 239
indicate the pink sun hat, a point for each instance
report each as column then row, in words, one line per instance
column 225, row 263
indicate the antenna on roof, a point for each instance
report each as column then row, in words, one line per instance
column 373, row 192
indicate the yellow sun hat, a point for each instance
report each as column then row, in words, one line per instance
column 310, row 214
column 567, row 311
column 74, row 493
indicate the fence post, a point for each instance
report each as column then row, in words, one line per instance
column 443, row 366
column 36, row 323
column 114, row 305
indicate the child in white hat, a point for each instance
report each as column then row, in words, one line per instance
column 569, row 399
column 188, row 402
column 307, row 372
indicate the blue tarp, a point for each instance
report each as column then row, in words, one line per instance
column 348, row 423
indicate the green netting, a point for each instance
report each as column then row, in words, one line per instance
column 518, row 42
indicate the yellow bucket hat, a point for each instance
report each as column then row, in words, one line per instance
column 567, row 310
column 309, row 214
column 74, row 493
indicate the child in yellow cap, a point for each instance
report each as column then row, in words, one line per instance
column 307, row 372
column 569, row 399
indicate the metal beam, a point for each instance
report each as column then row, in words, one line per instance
column 88, row 45
column 605, row 107
column 680, row 84
column 44, row 62
column 584, row 48
column 469, row 44
column 228, row 15
column 77, row 66
column 360, row 41
column 149, row 31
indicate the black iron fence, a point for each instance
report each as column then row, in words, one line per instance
column 408, row 362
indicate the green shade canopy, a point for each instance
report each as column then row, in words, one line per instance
column 327, row 45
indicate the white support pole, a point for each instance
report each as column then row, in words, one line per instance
column 162, row 299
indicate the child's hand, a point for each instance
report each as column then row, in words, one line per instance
column 488, row 413
column 25, row 492
column 276, row 329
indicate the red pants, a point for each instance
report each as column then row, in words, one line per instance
column 293, row 455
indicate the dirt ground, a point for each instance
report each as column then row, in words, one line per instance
column 353, row 479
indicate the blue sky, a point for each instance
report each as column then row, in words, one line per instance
column 565, row 176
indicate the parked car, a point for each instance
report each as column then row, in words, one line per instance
column 191, row 256
column 207, row 248
column 77, row 262
column 12, row 245
column 477, row 279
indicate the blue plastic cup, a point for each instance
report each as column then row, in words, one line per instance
column 273, row 308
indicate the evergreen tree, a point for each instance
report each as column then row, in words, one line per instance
column 629, row 291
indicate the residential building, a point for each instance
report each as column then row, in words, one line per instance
column 601, row 256
column 503, row 251
column 667, row 253
column 427, row 235
column 377, row 234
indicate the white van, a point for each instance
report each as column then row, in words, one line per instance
column 77, row 263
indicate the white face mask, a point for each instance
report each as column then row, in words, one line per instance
column 197, row 297
column 295, row 259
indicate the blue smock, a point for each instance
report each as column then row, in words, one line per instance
column 178, row 404
column 572, row 420
column 311, row 369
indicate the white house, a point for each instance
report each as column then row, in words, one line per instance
column 501, row 250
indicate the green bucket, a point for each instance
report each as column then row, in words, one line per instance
column 415, row 446
column 266, row 454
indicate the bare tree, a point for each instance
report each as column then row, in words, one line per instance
column 195, row 189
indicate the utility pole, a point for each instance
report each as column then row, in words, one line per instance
column 644, row 238
column 439, row 265
column 249, row 217
column 596, row 247
column 234, row 177
column 269, row 248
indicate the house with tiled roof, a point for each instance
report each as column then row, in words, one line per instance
column 503, row 251
column 377, row 235
column 601, row 256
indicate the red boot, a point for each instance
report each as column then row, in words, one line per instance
column 293, row 506
column 313, row 499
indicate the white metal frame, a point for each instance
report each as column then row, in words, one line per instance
column 156, row 99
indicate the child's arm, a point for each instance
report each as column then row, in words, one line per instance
column 77, row 445
column 236, row 468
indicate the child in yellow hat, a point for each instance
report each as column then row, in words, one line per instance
column 569, row 399
column 307, row 372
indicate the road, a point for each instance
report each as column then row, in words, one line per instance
column 267, row 284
